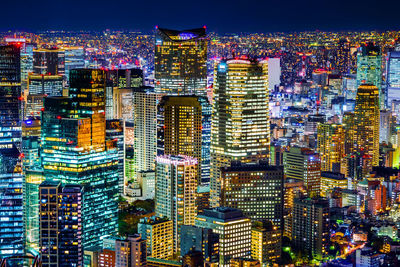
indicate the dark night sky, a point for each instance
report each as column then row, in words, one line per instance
column 219, row 15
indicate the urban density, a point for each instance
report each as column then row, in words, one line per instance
column 188, row 147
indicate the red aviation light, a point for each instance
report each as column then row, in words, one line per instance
column 59, row 117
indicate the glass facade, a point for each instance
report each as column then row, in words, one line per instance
column 393, row 78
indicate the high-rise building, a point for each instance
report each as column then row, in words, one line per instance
column 233, row 228
column 179, row 127
column 33, row 108
column 255, row 189
column 131, row 252
column 369, row 68
column 393, row 78
column 366, row 123
column 293, row 188
column 158, row 233
column 11, row 180
column 331, row 180
column 60, row 223
column 266, row 242
column 115, row 132
column 49, row 61
column 311, row 226
column 343, row 56
column 274, row 73
column 75, row 151
column 74, row 59
column 203, row 240
column 145, row 121
column 176, row 187
column 240, row 125
column 331, row 146
column 44, row 84
column 180, row 61
column 303, row 164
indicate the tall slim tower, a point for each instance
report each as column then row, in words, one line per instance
column 11, row 180
column 343, row 56
column 393, row 78
column 369, row 68
column 75, row 151
column 331, row 146
column 180, row 61
column 175, row 198
column 367, row 123
column 240, row 122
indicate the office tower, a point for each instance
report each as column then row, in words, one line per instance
column 331, row 146
column 179, row 127
column 43, row 84
column 266, row 242
column 233, row 228
column 11, row 180
column 366, row 123
column 49, row 61
column 311, row 125
column 343, row 56
column 203, row 198
column 206, row 111
column 129, row 78
column 176, row 185
column 145, row 131
column 193, row 258
column 74, row 59
column 369, row 69
column 130, row 163
column 123, row 103
column 349, row 136
column 131, row 252
column 202, row 240
column 274, row 73
column 244, row 262
column 75, row 151
column 60, row 223
column 33, row 108
column 303, row 164
column 293, row 189
column 180, row 61
column 115, row 132
column 331, row 180
column 393, row 78
column 158, row 233
column 240, row 127
column 311, row 226
column 387, row 124
column 255, row 189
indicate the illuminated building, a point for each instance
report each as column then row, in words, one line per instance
column 145, row 135
column 11, row 179
column 266, row 242
column 233, row 228
column 123, row 104
column 49, row 61
column 349, row 127
column 203, row 198
column 393, row 78
column 51, row 85
column 311, row 226
column 180, row 61
column 176, row 187
column 75, row 151
column 244, row 262
column 331, row 146
column 369, row 69
column 33, row 107
column 130, row 252
column 386, row 126
column 74, row 59
column 158, row 233
column 147, row 182
column 203, row 240
column 343, row 56
column 293, row 189
column 313, row 120
column 240, row 127
column 255, row 189
column 179, row 127
column 60, row 222
column 115, row 132
column 366, row 124
column 274, row 73
column 331, row 180
column 303, row 164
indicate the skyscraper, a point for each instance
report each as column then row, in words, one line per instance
column 266, row 242
column 60, row 224
column 180, row 61
column 240, row 125
column 176, row 187
column 51, row 85
column 369, row 68
column 331, row 146
column 131, row 252
column 393, row 78
column 179, row 127
column 255, row 189
column 11, row 180
column 49, row 61
column 145, row 131
column 75, row 151
column 343, row 56
column 367, row 123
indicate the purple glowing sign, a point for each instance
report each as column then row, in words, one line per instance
column 186, row 35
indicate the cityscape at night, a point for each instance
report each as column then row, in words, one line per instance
column 225, row 140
